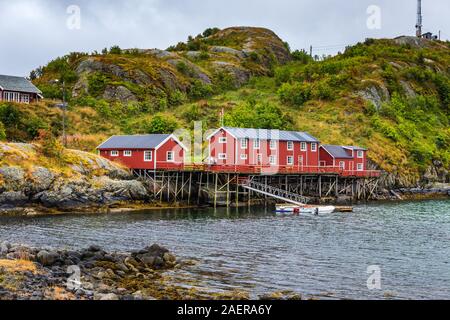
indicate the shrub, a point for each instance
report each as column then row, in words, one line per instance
column 258, row 115
column 302, row 56
column 97, row 83
column 295, row 94
column 200, row 90
column 51, row 147
column 162, row 124
column 2, row 132
column 115, row 50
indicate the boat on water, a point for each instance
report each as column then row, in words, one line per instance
column 287, row 209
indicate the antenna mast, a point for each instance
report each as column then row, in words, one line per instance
column 419, row 19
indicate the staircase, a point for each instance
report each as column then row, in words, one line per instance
column 273, row 192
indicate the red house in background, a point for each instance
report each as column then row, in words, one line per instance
column 249, row 150
column 145, row 152
column 18, row 89
column 351, row 160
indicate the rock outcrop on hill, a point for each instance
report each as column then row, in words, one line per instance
column 81, row 180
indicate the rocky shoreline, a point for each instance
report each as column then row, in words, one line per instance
column 28, row 273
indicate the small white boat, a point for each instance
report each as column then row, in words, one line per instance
column 287, row 209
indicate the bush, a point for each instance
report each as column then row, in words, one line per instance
column 296, row 94
column 302, row 57
column 115, row 50
column 258, row 115
column 2, row 132
column 162, row 124
column 51, row 147
column 200, row 90
column 97, row 84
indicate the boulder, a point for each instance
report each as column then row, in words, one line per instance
column 47, row 258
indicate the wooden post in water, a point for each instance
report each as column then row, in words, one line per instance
column 215, row 190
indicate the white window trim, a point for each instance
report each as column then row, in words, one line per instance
column 259, row 159
column 244, row 144
column 342, row 165
column 303, row 146
column 273, row 144
column 290, row 145
column 244, row 157
column 256, row 144
column 313, row 147
column 290, row 160
column 114, row 153
column 222, row 140
column 360, row 154
column 274, row 162
column 128, row 153
column 168, row 156
column 222, row 156
column 360, row 167
column 151, row 156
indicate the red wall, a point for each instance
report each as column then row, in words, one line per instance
column 136, row 161
column 350, row 164
column 234, row 152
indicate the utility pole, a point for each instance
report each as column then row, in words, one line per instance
column 419, row 24
column 310, row 51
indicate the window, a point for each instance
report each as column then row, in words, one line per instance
column 303, row 146
column 244, row 157
column 314, row 147
column 222, row 156
column 273, row 160
column 290, row 161
column 259, row 158
column 342, row 165
column 114, row 153
column 244, row 143
column 256, row 144
column 25, row 98
column 360, row 154
column 170, row 156
column 222, row 140
column 148, row 156
column 127, row 153
column 290, row 146
column 273, row 145
column 360, row 167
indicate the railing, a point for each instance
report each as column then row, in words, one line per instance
column 274, row 192
column 270, row 170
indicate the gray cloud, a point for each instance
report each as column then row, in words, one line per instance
column 34, row 31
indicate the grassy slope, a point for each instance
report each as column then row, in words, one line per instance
column 405, row 134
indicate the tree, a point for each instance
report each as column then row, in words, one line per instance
column 115, row 50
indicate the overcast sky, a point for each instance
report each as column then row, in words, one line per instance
column 36, row 31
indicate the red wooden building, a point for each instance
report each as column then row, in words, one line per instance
column 260, row 150
column 351, row 160
column 145, row 152
column 18, row 89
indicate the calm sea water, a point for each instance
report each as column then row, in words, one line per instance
column 254, row 250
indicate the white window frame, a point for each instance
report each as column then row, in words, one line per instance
column 360, row 154
column 244, row 157
column 303, row 146
column 114, row 153
column 169, row 155
column 273, row 160
column 128, row 153
column 313, row 147
column 290, row 145
column 148, row 159
column 222, row 156
column 360, row 167
column 256, row 144
column 223, row 140
column 25, row 98
column 273, row 144
column 259, row 159
column 244, row 144
column 290, row 160
column 342, row 165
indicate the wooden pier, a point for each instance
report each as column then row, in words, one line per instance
column 198, row 186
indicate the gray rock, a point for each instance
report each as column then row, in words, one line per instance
column 13, row 198
column 47, row 258
column 4, row 248
column 108, row 297
column 119, row 93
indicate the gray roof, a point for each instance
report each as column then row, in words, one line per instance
column 265, row 134
column 355, row 148
column 20, row 84
column 338, row 152
column 150, row 141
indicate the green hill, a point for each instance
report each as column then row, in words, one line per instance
column 391, row 96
